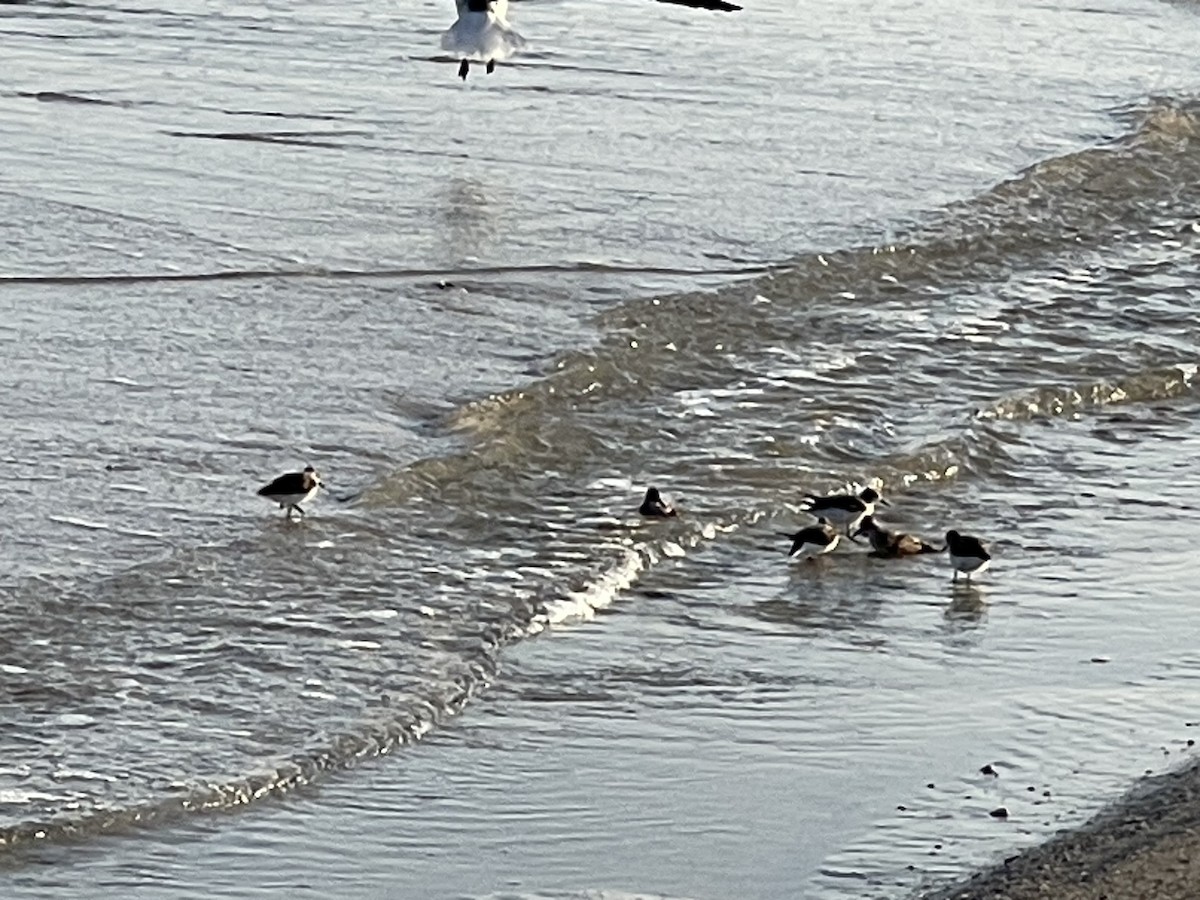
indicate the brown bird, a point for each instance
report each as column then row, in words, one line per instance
column 885, row 542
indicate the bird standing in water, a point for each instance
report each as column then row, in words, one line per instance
column 812, row 541
column 967, row 554
column 844, row 510
column 292, row 489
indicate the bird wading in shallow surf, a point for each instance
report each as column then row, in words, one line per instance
column 967, row 554
column 885, row 542
column 482, row 33
column 811, row 542
column 655, row 507
column 292, row 489
column 844, row 510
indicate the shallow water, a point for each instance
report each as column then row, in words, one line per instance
column 947, row 253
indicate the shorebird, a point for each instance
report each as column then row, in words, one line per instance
column 812, row 541
column 655, row 506
column 885, row 542
column 482, row 33
column 292, row 489
column 967, row 554
column 845, row 510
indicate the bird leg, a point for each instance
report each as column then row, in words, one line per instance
column 297, row 508
column 463, row 68
column 491, row 66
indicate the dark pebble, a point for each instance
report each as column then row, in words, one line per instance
column 999, row 812
column 1031, row 789
column 1045, row 793
column 902, row 808
column 988, row 770
column 931, row 785
column 1191, row 743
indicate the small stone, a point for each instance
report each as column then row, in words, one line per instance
column 931, row 785
column 988, row 770
column 902, row 808
column 1031, row 789
column 1045, row 793
column 999, row 812
column 1191, row 743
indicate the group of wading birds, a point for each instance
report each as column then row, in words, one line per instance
column 853, row 513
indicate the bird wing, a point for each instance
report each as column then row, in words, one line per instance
column 291, row 483
column 719, row 5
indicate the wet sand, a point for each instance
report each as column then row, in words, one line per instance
column 1146, row 845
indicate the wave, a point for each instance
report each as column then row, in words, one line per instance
column 915, row 362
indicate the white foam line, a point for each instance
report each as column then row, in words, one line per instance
column 131, row 488
column 600, row 593
column 79, row 523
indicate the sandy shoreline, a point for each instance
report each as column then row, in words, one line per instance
column 1145, row 845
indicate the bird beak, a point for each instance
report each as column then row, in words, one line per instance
column 883, row 502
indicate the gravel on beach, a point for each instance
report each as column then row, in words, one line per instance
column 1145, row 846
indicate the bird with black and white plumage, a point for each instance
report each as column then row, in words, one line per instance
column 654, row 506
column 482, row 33
column 291, row 489
column 968, row 554
column 885, row 542
column 812, row 541
column 844, row 510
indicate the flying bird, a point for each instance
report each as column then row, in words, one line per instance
column 482, row 33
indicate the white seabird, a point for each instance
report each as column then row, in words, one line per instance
column 482, row 33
